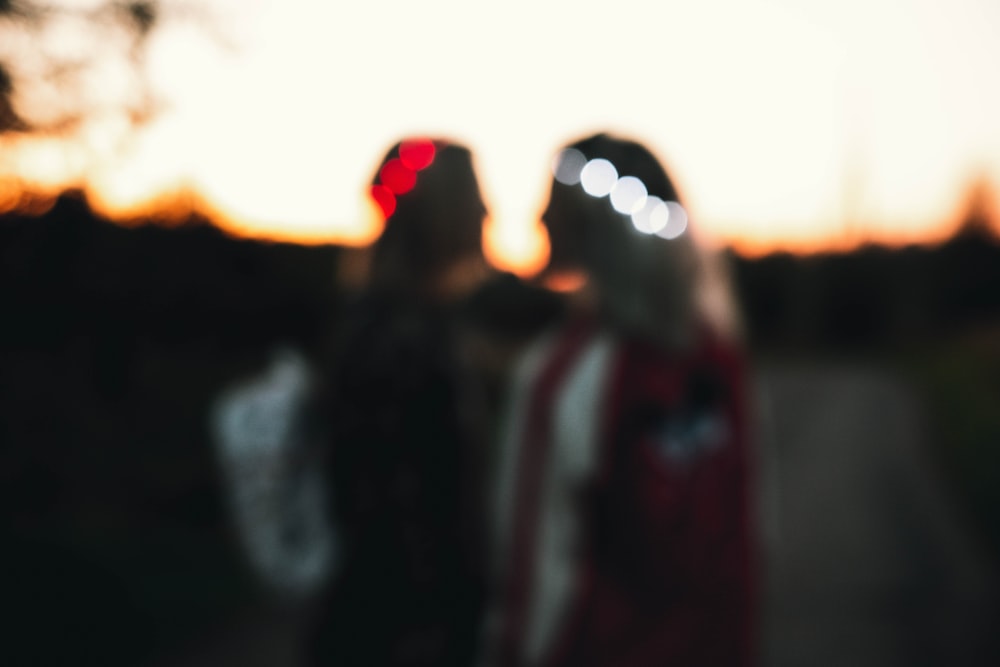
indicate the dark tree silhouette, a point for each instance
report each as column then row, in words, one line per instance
column 28, row 20
column 117, row 29
column 115, row 342
column 10, row 121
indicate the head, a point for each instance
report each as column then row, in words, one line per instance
column 643, row 280
column 428, row 191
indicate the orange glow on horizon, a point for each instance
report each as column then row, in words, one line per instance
column 846, row 240
column 363, row 232
column 516, row 249
column 10, row 195
column 522, row 252
column 33, row 171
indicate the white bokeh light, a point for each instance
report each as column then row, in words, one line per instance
column 652, row 216
column 676, row 222
column 628, row 195
column 567, row 166
column 598, row 177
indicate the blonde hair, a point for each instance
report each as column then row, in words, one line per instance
column 646, row 285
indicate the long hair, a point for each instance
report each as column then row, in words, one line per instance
column 433, row 225
column 645, row 284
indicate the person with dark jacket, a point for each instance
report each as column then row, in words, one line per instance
column 407, row 590
column 621, row 525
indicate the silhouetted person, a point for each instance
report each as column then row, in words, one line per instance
column 621, row 521
column 406, row 589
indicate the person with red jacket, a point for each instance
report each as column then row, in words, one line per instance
column 622, row 531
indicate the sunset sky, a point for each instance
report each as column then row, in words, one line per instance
column 786, row 123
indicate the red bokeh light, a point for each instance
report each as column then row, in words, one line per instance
column 384, row 198
column 397, row 176
column 417, row 154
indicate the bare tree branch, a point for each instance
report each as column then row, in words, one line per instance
column 10, row 121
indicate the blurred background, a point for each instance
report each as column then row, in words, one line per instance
column 182, row 184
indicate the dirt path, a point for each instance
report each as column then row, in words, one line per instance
column 869, row 563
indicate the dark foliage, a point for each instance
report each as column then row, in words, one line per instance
column 116, row 340
column 114, row 343
column 871, row 298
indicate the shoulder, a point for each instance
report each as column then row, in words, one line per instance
column 509, row 307
column 564, row 361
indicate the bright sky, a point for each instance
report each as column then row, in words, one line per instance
column 786, row 123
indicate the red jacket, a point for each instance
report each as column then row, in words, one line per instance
column 623, row 516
